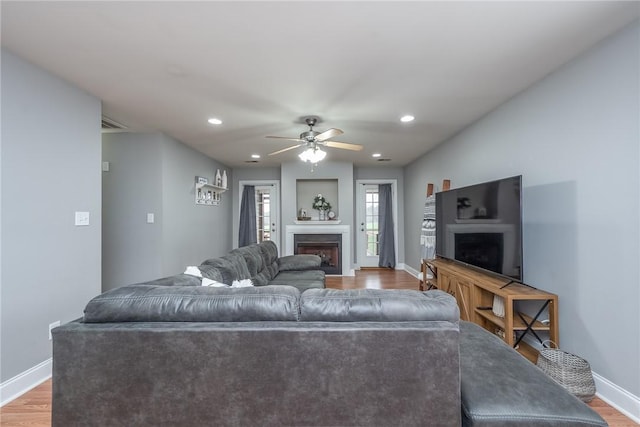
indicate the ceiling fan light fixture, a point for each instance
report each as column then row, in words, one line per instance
column 215, row 121
column 312, row 155
column 376, row 155
column 406, row 119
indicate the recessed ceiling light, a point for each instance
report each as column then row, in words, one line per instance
column 406, row 119
column 255, row 156
column 215, row 121
column 376, row 155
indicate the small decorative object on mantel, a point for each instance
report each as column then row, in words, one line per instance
column 302, row 215
column 322, row 206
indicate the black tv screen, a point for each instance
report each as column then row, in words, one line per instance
column 481, row 226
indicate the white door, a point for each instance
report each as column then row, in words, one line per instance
column 367, row 225
column 267, row 215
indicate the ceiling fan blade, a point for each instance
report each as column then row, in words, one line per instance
column 285, row 149
column 344, row 145
column 284, row 137
column 328, row 134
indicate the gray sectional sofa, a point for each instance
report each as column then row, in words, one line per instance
column 149, row 355
column 260, row 263
column 288, row 352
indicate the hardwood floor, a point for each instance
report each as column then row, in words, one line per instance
column 33, row 409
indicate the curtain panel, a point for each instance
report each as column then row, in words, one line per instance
column 247, row 232
column 387, row 251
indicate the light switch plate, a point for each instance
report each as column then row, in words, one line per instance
column 150, row 218
column 82, row 218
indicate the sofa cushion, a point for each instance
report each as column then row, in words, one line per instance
column 211, row 272
column 269, row 252
column 253, row 257
column 144, row 303
column 302, row 280
column 380, row 305
column 500, row 388
column 299, row 262
column 230, row 267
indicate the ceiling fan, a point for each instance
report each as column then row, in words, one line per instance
column 312, row 139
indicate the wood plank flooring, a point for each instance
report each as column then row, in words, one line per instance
column 33, row 409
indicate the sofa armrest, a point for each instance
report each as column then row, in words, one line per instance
column 299, row 262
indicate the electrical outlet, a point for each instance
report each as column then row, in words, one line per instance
column 51, row 326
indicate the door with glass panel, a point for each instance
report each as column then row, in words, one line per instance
column 267, row 213
column 367, row 225
column 267, row 200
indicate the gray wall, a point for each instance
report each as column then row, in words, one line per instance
column 131, row 248
column 191, row 233
column 574, row 138
column 293, row 171
column 153, row 173
column 341, row 171
column 50, row 169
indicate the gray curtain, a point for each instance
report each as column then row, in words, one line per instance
column 247, row 232
column 387, row 256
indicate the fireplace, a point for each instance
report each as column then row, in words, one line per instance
column 343, row 230
column 327, row 246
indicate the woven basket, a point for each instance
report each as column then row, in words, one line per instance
column 570, row 371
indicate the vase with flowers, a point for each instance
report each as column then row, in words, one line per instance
column 322, row 206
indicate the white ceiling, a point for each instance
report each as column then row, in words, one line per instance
column 261, row 66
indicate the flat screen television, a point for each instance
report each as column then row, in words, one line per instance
column 481, row 226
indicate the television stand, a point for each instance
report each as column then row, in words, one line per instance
column 474, row 292
column 512, row 281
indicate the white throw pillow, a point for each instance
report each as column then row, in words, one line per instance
column 244, row 283
column 193, row 271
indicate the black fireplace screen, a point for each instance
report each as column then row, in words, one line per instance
column 327, row 246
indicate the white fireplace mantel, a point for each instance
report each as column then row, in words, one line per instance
column 315, row 228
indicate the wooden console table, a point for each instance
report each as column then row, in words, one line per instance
column 474, row 292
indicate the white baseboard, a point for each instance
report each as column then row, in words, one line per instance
column 618, row 397
column 415, row 273
column 22, row 383
column 399, row 266
column 611, row 393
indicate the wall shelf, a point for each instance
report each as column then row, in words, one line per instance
column 207, row 194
